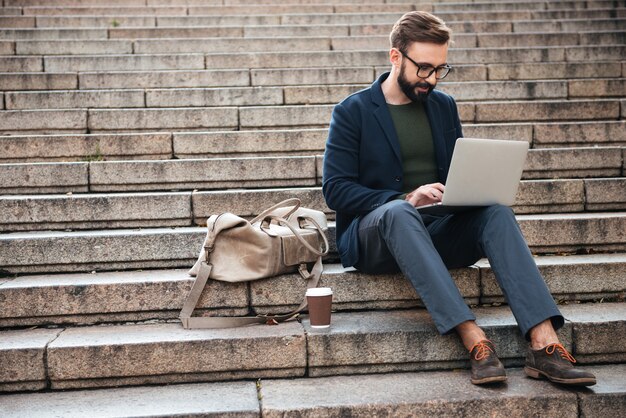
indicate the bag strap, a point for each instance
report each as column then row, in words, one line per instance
column 197, row 322
column 294, row 201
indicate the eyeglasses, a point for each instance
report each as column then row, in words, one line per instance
column 426, row 70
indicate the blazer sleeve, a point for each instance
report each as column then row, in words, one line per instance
column 342, row 180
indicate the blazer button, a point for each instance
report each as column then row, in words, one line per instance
column 397, row 178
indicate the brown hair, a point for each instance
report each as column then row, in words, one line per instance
column 418, row 26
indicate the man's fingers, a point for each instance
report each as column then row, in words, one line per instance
column 439, row 187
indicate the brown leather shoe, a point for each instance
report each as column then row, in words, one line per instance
column 556, row 364
column 486, row 368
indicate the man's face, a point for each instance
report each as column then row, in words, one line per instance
column 417, row 88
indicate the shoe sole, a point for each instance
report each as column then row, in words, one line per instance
column 485, row 380
column 538, row 374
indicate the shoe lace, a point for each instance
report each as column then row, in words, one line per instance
column 484, row 350
column 550, row 349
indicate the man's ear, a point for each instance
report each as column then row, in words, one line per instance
column 395, row 57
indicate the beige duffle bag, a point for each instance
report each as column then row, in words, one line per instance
column 283, row 239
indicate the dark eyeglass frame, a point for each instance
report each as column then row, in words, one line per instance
column 435, row 70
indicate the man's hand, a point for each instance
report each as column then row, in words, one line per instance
column 426, row 194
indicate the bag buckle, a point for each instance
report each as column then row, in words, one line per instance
column 208, row 249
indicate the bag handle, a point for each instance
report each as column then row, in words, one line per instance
column 286, row 223
column 190, row 322
column 294, row 201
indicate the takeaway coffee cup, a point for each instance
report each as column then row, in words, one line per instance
column 320, row 300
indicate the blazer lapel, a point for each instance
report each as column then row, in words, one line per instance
column 383, row 117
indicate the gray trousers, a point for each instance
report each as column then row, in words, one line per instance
column 395, row 237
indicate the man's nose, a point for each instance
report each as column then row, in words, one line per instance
column 432, row 79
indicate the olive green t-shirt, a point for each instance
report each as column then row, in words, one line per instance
column 416, row 145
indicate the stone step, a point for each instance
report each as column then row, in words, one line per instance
column 257, row 143
column 490, row 40
column 13, row 21
column 301, row 94
column 53, row 34
column 10, row 11
column 84, row 298
column 291, row 43
column 272, row 14
column 260, row 60
column 38, row 81
column 88, row 147
column 139, row 210
column 105, row 11
column 21, row 64
column 524, row 5
column 22, row 3
column 256, row 172
column 161, row 175
column 440, row 4
column 147, row 21
column 24, row 81
column 124, row 62
column 479, row 112
column 91, row 21
column 421, row 394
column 388, row 17
column 566, row 25
column 123, row 249
column 429, row 394
column 357, row 343
column 277, row 8
column 553, row 70
column 458, row 56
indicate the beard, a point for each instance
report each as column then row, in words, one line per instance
column 409, row 89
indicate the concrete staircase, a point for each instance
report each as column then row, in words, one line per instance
column 124, row 124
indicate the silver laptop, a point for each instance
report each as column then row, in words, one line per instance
column 483, row 172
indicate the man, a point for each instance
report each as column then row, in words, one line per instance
column 389, row 149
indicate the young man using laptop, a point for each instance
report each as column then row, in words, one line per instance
column 388, row 151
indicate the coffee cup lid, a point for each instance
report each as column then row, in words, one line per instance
column 319, row 291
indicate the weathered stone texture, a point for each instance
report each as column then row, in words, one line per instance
column 573, row 277
column 73, row 47
column 95, row 147
column 605, row 194
column 124, row 62
column 245, row 96
column 353, row 290
column 158, row 79
column 163, row 118
column 413, row 394
column 579, row 133
column 44, row 178
column 550, row 196
column 233, row 400
column 22, row 359
column 95, row 211
column 71, row 99
column 213, row 173
column 221, row 354
column 43, row 120
column 254, row 117
column 84, row 298
column 44, row 81
column 249, row 143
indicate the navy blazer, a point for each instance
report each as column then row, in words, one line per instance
column 362, row 162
